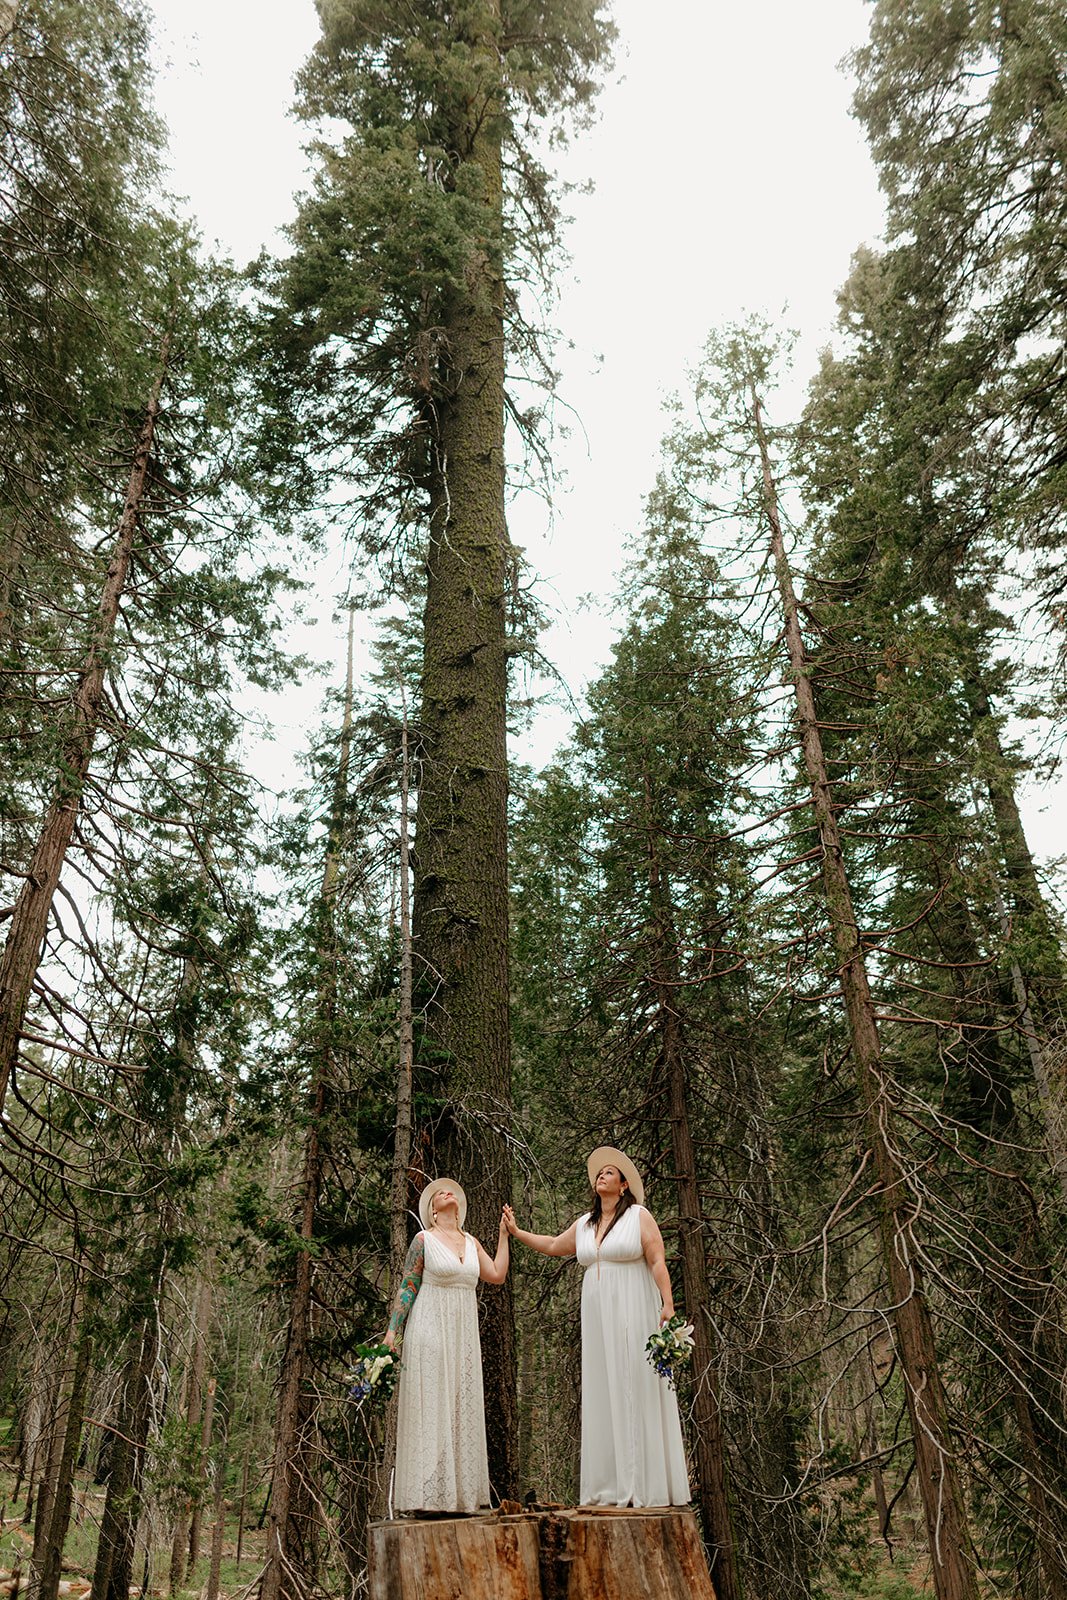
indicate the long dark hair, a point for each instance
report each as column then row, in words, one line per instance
column 622, row 1205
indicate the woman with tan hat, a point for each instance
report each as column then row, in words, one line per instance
column 632, row 1450
column 440, row 1442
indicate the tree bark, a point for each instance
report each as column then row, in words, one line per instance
column 713, row 1475
column 113, row 1573
column 49, row 1560
column 402, row 1141
column 194, row 1410
column 285, row 1574
column 246, row 1459
column 51, row 1454
column 460, row 861
column 9, row 15
column 198, row 1504
column 400, row 1197
column 211, row 1589
column 29, row 921
column 31, row 1431
column 564, row 1555
column 948, row 1534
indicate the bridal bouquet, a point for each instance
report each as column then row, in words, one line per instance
column 374, row 1374
column 669, row 1350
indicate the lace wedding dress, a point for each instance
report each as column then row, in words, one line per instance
column 632, row 1450
column 440, row 1444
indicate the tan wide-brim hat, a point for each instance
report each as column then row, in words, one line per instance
column 426, row 1200
column 605, row 1155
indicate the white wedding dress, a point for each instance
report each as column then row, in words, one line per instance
column 632, row 1450
column 441, row 1460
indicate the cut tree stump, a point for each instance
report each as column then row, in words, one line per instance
column 461, row 1558
column 542, row 1554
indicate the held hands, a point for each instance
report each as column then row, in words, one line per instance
column 507, row 1221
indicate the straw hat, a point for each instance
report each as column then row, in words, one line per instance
column 427, row 1195
column 605, row 1155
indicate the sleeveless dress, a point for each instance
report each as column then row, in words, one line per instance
column 632, row 1450
column 441, row 1460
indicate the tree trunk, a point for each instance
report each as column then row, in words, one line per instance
column 113, row 1573
column 211, row 1590
column 29, row 920
column 460, row 859
column 9, row 15
column 180, row 1534
column 246, row 1458
column 402, row 1141
column 50, row 1455
column 50, row 1560
column 402, row 1174
column 713, row 1476
column 948, row 1534
column 32, row 1433
column 194, row 1410
column 285, row 1574
column 198, row 1504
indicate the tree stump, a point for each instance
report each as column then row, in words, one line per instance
column 461, row 1558
column 543, row 1554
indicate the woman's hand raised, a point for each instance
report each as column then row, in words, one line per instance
column 507, row 1221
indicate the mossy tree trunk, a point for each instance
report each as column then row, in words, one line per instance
column 460, row 857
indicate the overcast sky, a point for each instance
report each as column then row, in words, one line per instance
column 727, row 177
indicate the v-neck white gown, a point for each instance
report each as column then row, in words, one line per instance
column 632, row 1450
column 441, row 1460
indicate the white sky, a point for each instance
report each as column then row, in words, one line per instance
column 728, row 177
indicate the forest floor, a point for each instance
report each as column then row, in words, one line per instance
column 16, row 1542
column 908, row 1578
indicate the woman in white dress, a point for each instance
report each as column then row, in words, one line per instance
column 632, row 1449
column 440, row 1443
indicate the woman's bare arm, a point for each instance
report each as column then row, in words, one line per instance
column 652, row 1245
column 560, row 1244
column 410, row 1284
column 495, row 1269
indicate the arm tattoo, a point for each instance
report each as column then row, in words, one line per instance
column 409, row 1285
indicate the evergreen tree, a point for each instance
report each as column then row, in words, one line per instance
column 403, row 295
column 918, row 687
column 635, row 924
column 964, row 111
